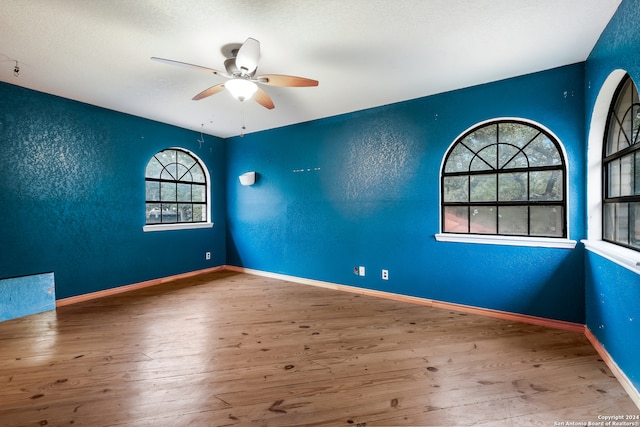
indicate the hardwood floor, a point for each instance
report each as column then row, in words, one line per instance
column 231, row 349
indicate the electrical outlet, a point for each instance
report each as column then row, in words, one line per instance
column 207, row 255
column 361, row 271
column 385, row 274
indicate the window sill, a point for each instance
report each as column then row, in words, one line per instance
column 182, row 226
column 544, row 242
column 624, row 257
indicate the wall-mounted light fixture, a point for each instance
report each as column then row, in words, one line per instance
column 248, row 178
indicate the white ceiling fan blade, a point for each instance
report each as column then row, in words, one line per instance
column 248, row 56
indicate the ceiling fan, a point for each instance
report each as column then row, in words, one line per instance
column 241, row 74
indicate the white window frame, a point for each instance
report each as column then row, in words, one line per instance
column 625, row 257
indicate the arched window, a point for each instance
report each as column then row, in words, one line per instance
column 177, row 189
column 621, row 168
column 505, row 177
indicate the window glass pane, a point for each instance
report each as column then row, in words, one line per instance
column 546, row 221
column 182, row 173
column 199, row 213
column 198, row 193
column 169, row 173
column 456, row 189
column 519, row 161
column 154, row 168
column 153, row 213
column 185, row 159
column 626, row 177
column 459, row 159
column 168, row 191
column 184, row 192
column 516, row 134
column 613, row 178
column 622, row 121
column 636, row 173
column 613, row 135
column 456, row 219
column 635, row 115
column 626, row 97
column 185, row 210
column 513, row 220
column 481, row 138
column 546, row 185
column 486, row 159
column 609, row 213
column 543, row 152
column 152, row 191
column 634, row 223
column 625, row 115
column 483, row 188
column 512, row 186
column 483, row 219
column 170, row 213
column 167, row 157
column 621, row 228
column 506, row 154
column 197, row 174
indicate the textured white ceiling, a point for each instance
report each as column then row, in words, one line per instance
column 364, row 53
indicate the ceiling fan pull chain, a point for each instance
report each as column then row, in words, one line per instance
column 242, row 127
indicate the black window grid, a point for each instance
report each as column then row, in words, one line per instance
column 498, row 171
column 622, row 205
column 182, row 206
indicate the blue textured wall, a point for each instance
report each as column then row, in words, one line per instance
column 363, row 189
column 22, row 296
column 613, row 292
column 613, row 312
column 72, row 195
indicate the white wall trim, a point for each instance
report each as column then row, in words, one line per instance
column 545, row 242
column 624, row 257
column 177, row 226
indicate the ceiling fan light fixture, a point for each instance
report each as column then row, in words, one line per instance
column 241, row 89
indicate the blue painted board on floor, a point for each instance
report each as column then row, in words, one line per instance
column 22, row 296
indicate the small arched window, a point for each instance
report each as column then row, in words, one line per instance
column 621, row 168
column 177, row 189
column 507, row 178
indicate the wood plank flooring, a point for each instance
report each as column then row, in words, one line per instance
column 231, row 349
